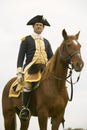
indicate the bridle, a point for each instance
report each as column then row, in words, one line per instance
column 67, row 60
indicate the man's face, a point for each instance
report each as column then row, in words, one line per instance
column 38, row 28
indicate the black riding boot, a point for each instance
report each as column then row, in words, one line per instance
column 25, row 112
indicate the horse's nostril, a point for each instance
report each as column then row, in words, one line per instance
column 77, row 64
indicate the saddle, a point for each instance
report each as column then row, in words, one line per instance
column 17, row 88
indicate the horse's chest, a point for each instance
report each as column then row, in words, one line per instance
column 59, row 100
column 57, row 106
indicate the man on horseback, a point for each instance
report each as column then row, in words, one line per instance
column 37, row 51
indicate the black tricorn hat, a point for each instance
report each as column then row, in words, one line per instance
column 38, row 19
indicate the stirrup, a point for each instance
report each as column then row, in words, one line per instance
column 24, row 113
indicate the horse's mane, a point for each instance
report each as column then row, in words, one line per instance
column 50, row 65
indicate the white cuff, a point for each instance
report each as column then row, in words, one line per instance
column 19, row 70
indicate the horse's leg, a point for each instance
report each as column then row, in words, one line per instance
column 10, row 121
column 56, row 122
column 24, row 124
column 13, row 124
column 42, row 118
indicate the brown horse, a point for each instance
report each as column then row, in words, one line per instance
column 51, row 97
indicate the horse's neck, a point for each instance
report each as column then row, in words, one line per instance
column 60, row 72
column 60, row 68
column 56, row 69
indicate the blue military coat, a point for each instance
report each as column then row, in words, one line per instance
column 27, row 49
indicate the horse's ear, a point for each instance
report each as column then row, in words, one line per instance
column 64, row 34
column 77, row 35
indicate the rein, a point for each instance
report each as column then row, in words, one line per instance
column 70, row 82
column 60, row 78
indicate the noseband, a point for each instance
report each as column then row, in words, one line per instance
column 69, row 57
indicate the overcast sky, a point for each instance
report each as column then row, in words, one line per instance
column 68, row 14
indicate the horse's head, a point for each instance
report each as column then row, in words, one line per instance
column 71, row 51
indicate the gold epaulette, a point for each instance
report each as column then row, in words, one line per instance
column 23, row 38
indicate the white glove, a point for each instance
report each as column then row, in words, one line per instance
column 20, row 77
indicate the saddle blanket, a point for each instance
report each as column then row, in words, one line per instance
column 17, row 88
